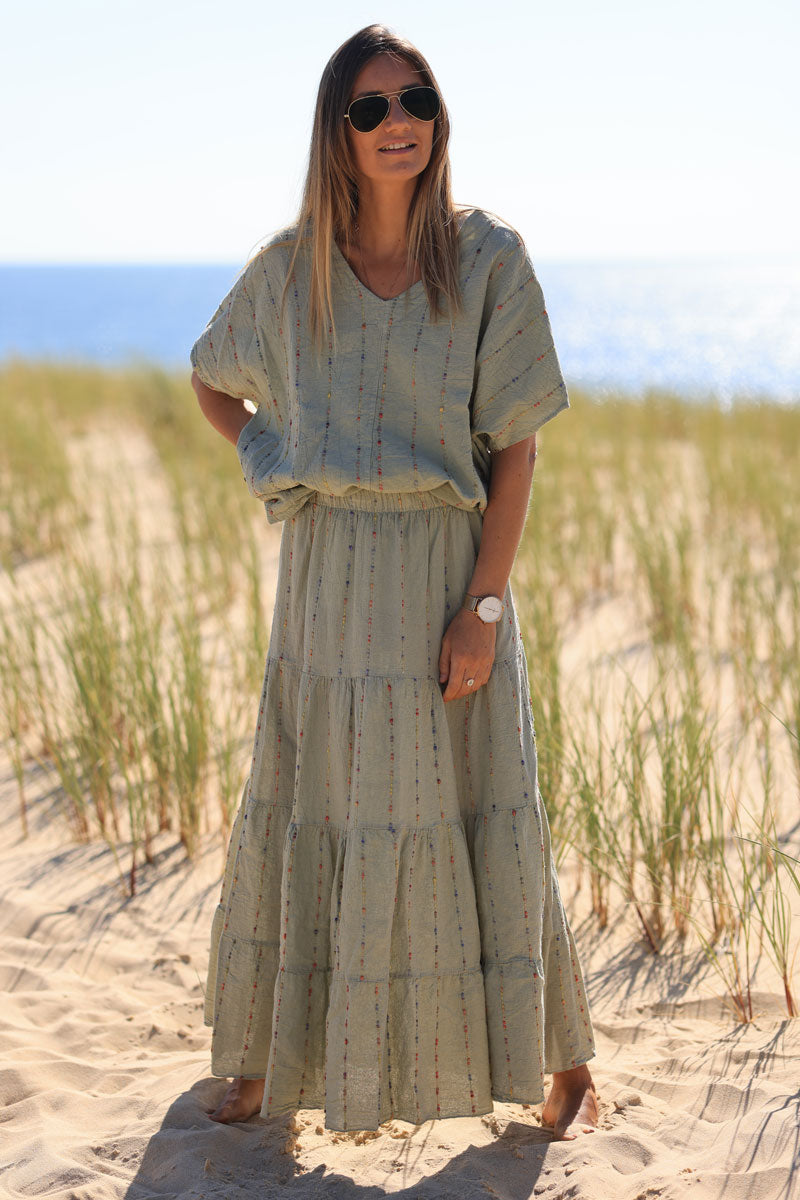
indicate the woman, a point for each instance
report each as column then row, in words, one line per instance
column 390, row 939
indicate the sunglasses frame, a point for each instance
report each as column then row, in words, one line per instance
column 388, row 97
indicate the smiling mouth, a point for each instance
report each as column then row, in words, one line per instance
column 395, row 147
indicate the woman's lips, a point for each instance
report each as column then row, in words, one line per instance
column 399, row 149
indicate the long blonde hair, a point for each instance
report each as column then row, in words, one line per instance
column 329, row 206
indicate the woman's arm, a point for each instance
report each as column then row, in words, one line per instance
column 226, row 413
column 468, row 645
column 504, row 517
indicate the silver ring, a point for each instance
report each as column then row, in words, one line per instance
column 470, row 682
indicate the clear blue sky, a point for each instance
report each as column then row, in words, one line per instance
column 163, row 130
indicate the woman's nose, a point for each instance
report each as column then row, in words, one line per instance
column 397, row 115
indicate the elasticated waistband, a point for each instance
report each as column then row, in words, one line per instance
column 373, row 501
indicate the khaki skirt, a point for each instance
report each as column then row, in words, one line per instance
column 390, row 940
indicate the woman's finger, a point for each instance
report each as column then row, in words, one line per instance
column 457, row 675
column 457, row 686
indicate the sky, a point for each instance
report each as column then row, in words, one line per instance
column 168, row 131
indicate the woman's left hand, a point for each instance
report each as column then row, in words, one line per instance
column 467, row 653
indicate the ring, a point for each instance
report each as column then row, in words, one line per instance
column 470, row 682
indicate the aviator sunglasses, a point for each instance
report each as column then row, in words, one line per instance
column 368, row 112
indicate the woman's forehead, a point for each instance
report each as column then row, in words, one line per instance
column 384, row 73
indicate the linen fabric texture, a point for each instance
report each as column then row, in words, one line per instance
column 390, row 940
column 398, row 403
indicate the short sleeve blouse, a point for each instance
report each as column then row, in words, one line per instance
column 401, row 402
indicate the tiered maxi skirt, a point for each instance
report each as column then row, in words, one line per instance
column 390, row 940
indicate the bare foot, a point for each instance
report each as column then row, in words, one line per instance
column 571, row 1106
column 242, row 1099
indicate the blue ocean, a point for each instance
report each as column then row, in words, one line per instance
column 716, row 328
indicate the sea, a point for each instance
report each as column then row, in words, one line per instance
column 714, row 329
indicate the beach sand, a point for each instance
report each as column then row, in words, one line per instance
column 105, row 1079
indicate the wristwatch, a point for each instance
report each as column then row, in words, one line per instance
column 488, row 608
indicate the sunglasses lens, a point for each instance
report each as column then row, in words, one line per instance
column 421, row 103
column 367, row 113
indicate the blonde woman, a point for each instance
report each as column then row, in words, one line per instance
column 390, row 941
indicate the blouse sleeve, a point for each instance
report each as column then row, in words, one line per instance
column 228, row 356
column 518, row 381
column 234, row 354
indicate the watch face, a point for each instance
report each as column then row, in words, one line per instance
column 490, row 608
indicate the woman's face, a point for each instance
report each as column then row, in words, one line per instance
column 372, row 159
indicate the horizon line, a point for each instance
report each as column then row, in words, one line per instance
column 555, row 259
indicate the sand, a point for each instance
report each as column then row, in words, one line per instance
column 105, row 1081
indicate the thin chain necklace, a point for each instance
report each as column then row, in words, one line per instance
column 404, row 263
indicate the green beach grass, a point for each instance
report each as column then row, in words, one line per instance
column 658, row 591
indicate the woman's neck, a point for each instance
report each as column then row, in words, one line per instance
column 383, row 218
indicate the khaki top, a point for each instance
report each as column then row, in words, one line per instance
column 402, row 403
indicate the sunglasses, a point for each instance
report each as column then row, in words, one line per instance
column 368, row 112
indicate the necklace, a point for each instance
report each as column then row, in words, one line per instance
column 391, row 287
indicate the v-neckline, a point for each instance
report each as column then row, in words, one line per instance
column 363, row 287
column 407, row 291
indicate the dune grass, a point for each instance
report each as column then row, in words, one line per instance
column 658, row 590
